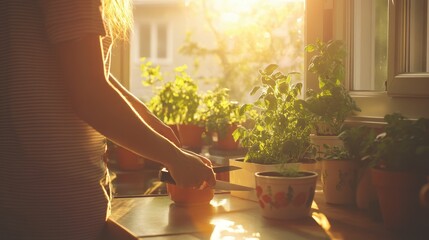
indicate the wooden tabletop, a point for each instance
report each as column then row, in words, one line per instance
column 157, row 217
column 142, row 207
column 226, row 216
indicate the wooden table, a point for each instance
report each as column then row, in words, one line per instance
column 159, row 218
column 155, row 216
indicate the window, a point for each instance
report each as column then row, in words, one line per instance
column 153, row 41
column 150, row 39
column 372, row 30
column 376, row 56
column 408, row 41
column 369, row 45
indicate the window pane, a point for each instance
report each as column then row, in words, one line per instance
column 145, row 40
column 418, row 37
column 162, row 41
column 370, row 45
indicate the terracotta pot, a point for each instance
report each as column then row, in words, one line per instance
column 128, row 160
column 424, row 194
column 186, row 197
column 227, row 142
column 191, row 136
column 282, row 197
column 339, row 179
column 366, row 196
column 398, row 194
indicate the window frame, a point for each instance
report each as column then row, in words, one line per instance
column 374, row 104
column 401, row 83
column 154, row 28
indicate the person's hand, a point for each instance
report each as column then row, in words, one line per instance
column 192, row 170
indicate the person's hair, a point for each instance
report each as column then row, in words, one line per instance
column 118, row 17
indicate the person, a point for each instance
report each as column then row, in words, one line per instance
column 58, row 103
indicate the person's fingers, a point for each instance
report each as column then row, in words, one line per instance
column 211, row 180
column 202, row 158
column 193, row 171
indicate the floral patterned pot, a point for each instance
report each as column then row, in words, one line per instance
column 339, row 180
column 284, row 198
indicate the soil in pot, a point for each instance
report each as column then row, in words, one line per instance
column 285, row 198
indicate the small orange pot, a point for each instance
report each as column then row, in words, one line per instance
column 188, row 196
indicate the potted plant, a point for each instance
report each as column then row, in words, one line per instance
column 279, row 136
column 339, row 176
column 177, row 102
column 332, row 104
column 401, row 167
column 343, row 167
column 221, row 116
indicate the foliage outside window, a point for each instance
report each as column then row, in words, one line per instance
column 247, row 37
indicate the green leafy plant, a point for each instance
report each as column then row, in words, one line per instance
column 357, row 141
column 174, row 102
column 220, row 112
column 333, row 104
column 281, row 130
column 403, row 146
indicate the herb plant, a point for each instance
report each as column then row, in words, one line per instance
column 220, row 112
column 357, row 141
column 404, row 146
column 281, row 128
column 333, row 104
column 174, row 102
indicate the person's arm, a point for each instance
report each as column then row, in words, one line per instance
column 102, row 106
column 145, row 113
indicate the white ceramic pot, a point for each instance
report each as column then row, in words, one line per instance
column 284, row 198
column 246, row 176
column 339, row 180
column 320, row 141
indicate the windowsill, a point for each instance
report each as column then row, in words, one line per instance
column 375, row 105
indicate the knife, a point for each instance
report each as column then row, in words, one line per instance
column 165, row 176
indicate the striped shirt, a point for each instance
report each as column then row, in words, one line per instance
column 51, row 167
